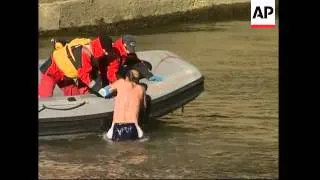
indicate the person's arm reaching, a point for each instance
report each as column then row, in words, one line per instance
column 144, row 100
column 112, row 69
column 84, row 75
column 108, row 90
column 144, row 109
column 85, row 70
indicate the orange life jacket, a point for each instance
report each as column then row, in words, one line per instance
column 65, row 59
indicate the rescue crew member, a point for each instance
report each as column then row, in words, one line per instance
column 129, row 102
column 124, row 58
column 74, row 69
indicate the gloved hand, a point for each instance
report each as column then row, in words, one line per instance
column 105, row 91
column 156, row 78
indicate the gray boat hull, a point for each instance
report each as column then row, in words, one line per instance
column 86, row 114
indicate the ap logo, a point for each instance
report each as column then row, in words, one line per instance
column 263, row 14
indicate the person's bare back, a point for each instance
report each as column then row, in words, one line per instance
column 130, row 100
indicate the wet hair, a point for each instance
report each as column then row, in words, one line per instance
column 133, row 75
column 121, row 74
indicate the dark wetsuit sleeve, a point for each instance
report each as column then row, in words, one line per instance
column 143, row 70
column 144, row 67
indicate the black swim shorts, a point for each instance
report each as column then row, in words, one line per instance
column 124, row 131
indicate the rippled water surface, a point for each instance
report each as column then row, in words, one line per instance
column 229, row 131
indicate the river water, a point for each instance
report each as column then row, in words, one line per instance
column 229, row 131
